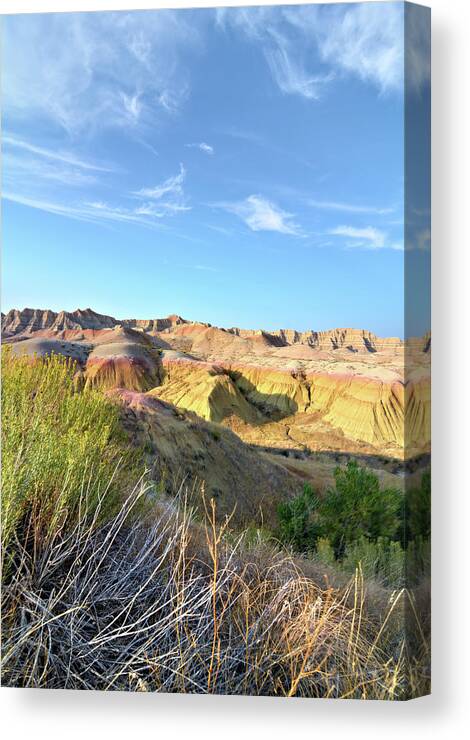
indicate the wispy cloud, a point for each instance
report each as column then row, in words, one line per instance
column 365, row 238
column 206, row 148
column 29, row 172
column 171, row 186
column 153, row 204
column 59, row 156
column 220, row 229
column 260, row 214
column 94, row 212
column 365, row 40
column 205, row 268
column 372, row 237
column 132, row 106
column 348, row 207
column 30, row 168
column 243, row 135
column 291, row 76
column 87, row 71
column 166, row 198
column 288, row 63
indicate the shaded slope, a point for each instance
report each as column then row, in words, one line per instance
column 184, row 447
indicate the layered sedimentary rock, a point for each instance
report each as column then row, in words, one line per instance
column 31, row 320
column 365, row 409
column 340, row 390
column 205, row 389
column 352, row 339
column 368, row 410
column 123, row 358
column 154, row 325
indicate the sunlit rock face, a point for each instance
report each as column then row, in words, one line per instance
column 343, row 390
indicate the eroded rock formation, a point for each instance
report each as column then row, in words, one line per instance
column 341, row 390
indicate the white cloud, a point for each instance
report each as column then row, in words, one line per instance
column 29, row 168
column 220, row 229
column 366, row 238
column 206, row 148
column 64, row 157
column 205, row 268
column 87, row 71
column 28, row 172
column 291, row 76
column 173, row 185
column 164, row 200
column 94, row 212
column 260, row 214
column 348, row 207
column 132, row 106
column 306, row 47
column 373, row 238
column 172, row 100
column 365, row 39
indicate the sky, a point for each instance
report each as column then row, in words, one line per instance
column 240, row 166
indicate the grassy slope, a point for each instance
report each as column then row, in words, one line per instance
column 94, row 597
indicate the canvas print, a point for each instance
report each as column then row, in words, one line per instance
column 216, row 351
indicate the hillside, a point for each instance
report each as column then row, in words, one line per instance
column 287, row 392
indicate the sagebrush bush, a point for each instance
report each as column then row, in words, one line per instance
column 383, row 560
column 60, row 447
column 324, row 551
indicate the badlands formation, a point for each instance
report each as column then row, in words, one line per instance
column 298, row 400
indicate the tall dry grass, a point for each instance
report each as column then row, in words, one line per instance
column 168, row 605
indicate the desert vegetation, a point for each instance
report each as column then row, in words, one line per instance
column 358, row 522
column 110, row 583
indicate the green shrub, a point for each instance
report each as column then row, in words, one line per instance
column 297, row 520
column 357, row 507
column 57, row 443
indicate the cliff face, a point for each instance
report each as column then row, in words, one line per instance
column 352, row 339
column 31, row 320
column 342, row 390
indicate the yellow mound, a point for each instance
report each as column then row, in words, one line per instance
column 210, row 393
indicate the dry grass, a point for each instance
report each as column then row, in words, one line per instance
column 171, row 606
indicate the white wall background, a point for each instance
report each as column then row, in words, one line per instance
column 59, row 714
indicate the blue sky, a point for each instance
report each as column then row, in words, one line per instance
column 240, row 166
